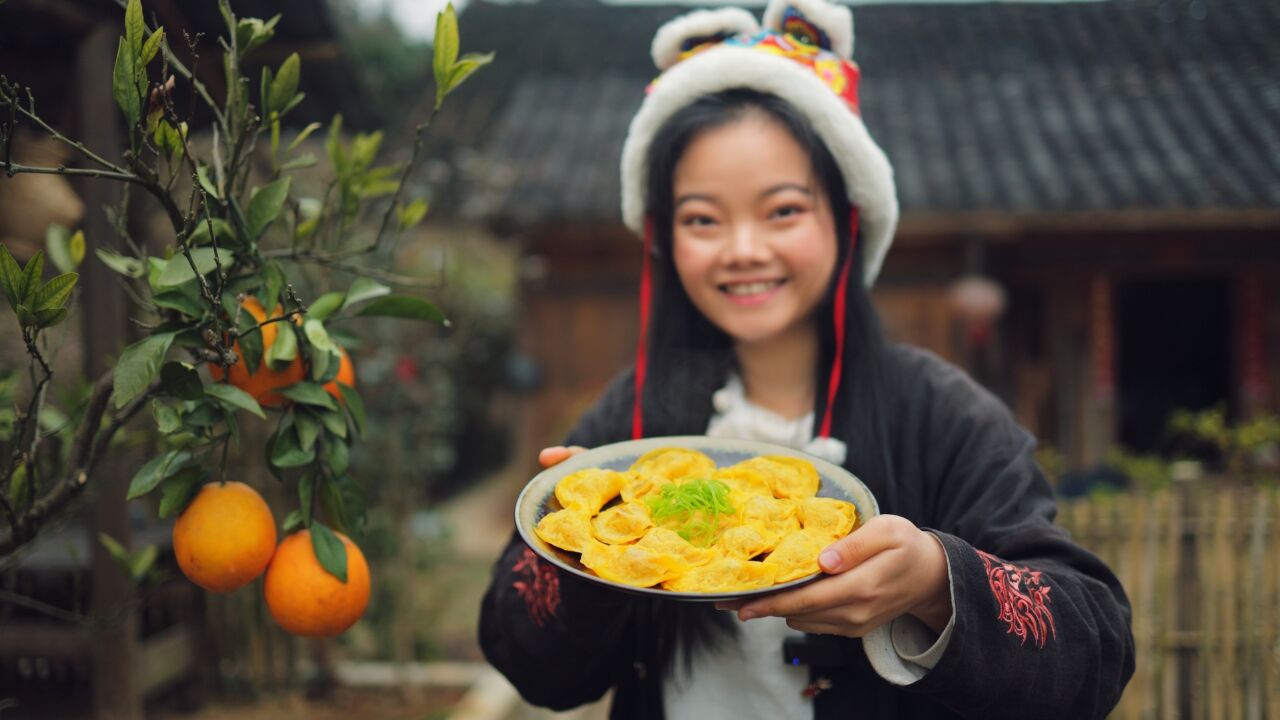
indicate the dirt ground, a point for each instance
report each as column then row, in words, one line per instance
column 343, row 704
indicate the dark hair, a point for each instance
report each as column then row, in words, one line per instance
column 682, row 340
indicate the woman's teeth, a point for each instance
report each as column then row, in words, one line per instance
column 752, row 288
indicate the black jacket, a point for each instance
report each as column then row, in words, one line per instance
column 1042, row 627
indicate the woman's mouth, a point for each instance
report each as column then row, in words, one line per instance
column 751, row 292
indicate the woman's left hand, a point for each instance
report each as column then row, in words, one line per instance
column 884, row 569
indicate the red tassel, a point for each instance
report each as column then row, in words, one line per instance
column 838, row 315
column 642, row 357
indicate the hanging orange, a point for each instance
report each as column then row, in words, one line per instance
column 225, row 537
column 264, row 382
column 305, row 599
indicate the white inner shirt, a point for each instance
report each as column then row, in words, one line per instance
column 745, row 676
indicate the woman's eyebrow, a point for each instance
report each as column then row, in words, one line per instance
column 780, row 187
column 691, row 197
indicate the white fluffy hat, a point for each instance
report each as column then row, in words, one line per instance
column 803, row 54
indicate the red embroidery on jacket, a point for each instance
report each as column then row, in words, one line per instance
column 539, row 587
column 1023, row 600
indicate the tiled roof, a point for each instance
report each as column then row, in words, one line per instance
column 1117, row 105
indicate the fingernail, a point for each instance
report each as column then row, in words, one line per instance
column 747, row 615
column 829, row 560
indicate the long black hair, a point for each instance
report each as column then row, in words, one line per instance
column 683, row 343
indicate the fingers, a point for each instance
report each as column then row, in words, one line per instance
column 858, row 586
column 558, row 454
column 877, row 535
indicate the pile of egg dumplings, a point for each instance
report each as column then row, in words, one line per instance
column 771, row 529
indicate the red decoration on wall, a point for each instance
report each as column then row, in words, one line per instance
column 1102, row 338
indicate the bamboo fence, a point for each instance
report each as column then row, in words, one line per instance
column 1201, row 564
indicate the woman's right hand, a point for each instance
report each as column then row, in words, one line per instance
column 558, row 454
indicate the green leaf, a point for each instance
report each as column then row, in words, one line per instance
column 306, row 495
column 326, row 305
column 53, row 294
column 55, row 244
column 301, row 162
column 202, row 173
column 123, row 87
column 274, row 281
column 285, row 84
column 335, row 422
column 250, row 341
column 292, row 521
column 445, row 50
column 234, row 398
column 333, row 146
column 138, row 366
column 221, row 230
column 167, row 419
column 286, row 451
column 330, row 551
column 152, row 46
column 364, row 148
column 11, row 278
column 405, row 307
column 317, row 335
column 141, row 562
column 75, row 247
column 181, row 380
column 134, row 28
column 355, row 406
column 155, row 471
column 265, row 206
column 320, row 366
column 178, row 299
column 308, row 429
column 302, row 136
column 19, row 486
column 465, row 67
column 177, row 491
column 178, row 270
column 123, row 264
column 363, row 289
column 285, row 348
column 32, row 274
column 26, row 318
column 113, row 547
column 411, row 214
column 309, row 393
column 339, row 456
column 344, row 503
column 49, row 318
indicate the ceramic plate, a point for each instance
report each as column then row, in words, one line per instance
column 538, row 499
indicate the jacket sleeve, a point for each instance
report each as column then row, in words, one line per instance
column 561, row 642
column 1041, row 625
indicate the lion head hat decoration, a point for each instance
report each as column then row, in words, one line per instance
column 803, row 54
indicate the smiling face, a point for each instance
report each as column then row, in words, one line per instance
column 754, row 238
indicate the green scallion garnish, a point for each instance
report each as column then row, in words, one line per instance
column 694, row 508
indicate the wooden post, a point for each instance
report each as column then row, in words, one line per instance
column 1187, row 477
column 104, row 316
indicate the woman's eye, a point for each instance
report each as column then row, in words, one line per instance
column 698, row 220
column 787, row 211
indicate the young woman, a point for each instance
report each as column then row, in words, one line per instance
column 763, row 201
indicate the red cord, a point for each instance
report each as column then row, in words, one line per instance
column 838, row 315
column 642, row 359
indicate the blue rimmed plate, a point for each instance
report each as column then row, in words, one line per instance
column 538, row 499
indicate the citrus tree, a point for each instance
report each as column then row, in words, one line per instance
column 228, row 332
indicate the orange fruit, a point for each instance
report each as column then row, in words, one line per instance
column 305, row 599
column 263, row 382
column 346, row 376
column 225, row 537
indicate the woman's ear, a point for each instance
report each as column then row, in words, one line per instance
column 815, row 22
column 697, row 28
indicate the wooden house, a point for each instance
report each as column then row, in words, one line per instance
column 1114, row 168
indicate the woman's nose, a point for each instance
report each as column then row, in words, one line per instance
column 746, row 245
